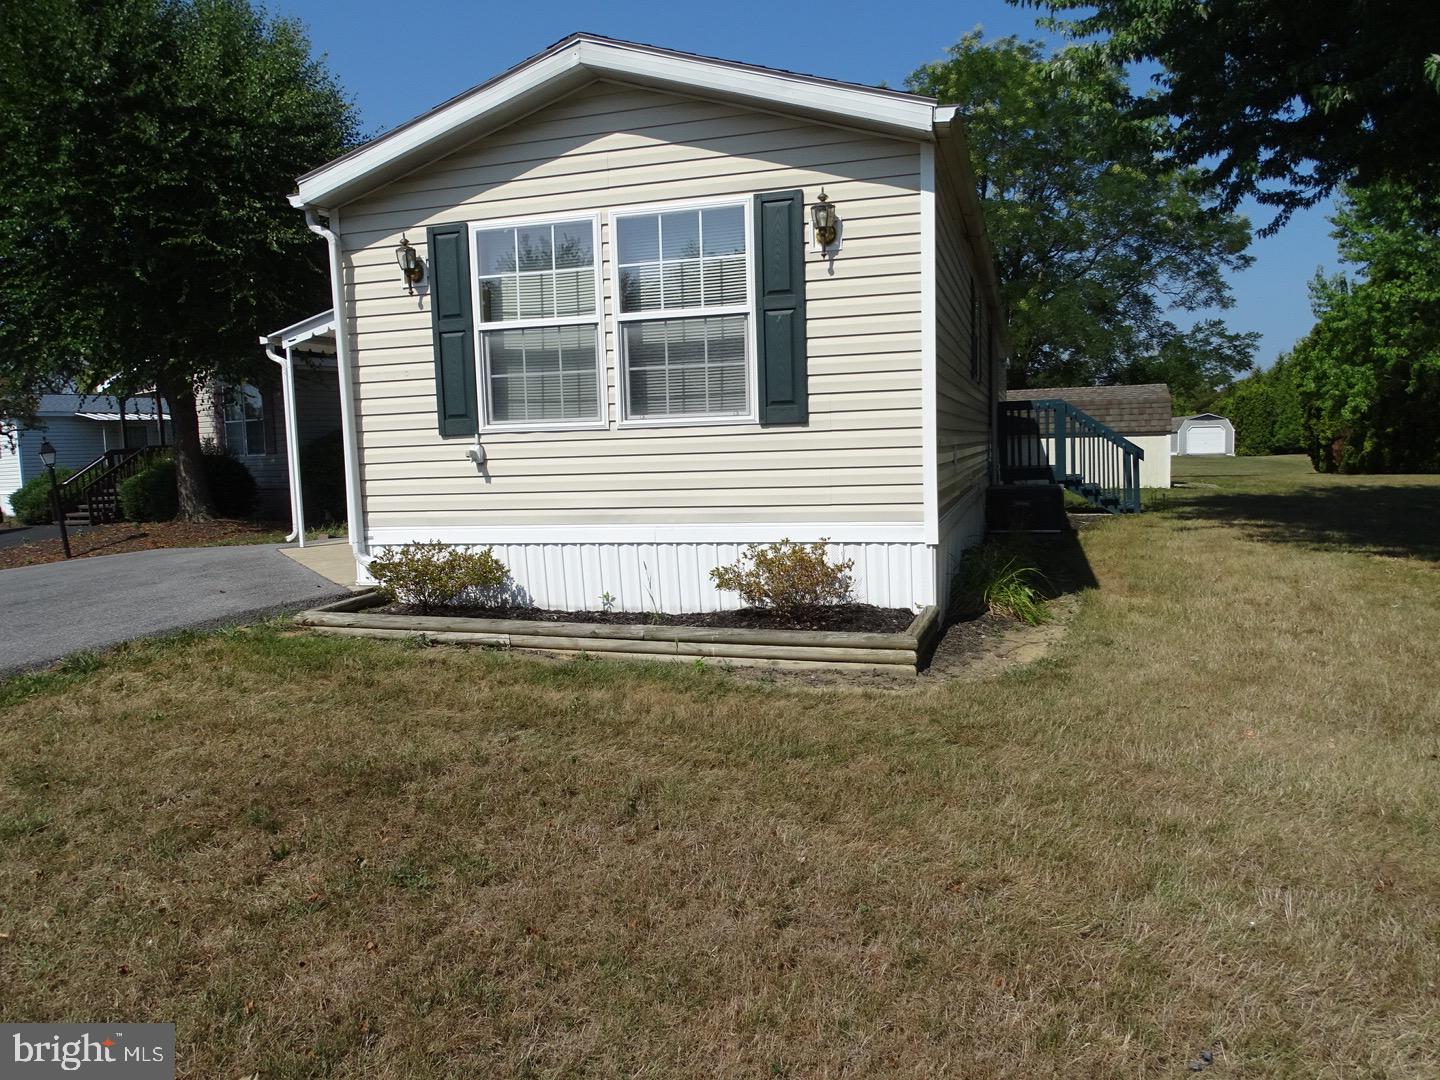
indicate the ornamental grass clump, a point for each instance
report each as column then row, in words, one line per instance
column 434, row 576
column 789, row 578
column 996, row 580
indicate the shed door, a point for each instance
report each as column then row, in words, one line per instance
column 1205, row 440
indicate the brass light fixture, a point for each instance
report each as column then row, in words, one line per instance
column 411, row 268
column 824, row 219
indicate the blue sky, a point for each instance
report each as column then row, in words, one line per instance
column 398, row 59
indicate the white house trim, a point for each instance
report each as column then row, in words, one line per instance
column 581, row 58
column 617, row 319
column 345, row 364
column 765, row 532
column 929, row 440
column 482, row 358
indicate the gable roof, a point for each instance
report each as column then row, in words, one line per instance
column 1142, row 409
column 582, row 58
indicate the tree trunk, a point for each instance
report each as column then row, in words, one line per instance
column 190, row 481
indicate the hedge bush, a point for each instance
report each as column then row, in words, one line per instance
column 150, row 494
column 433, row 576
column 787, row 577
column 232, row 489
column 31, row 502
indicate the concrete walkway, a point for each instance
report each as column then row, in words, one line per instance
column 333, row 559
column 52, row 610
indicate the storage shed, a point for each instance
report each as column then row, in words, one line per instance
column 1203, row 433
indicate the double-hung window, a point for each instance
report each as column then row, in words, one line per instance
column 538, row 305
column 683, row 310
column 244, row 411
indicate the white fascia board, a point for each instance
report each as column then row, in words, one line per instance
column 529, row 86
column 912, row 118
column 312, row 326
column 320, row 188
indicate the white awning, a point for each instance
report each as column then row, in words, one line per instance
column 114, row 417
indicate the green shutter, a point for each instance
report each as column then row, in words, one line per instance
column 456, row 402
column 780, row 304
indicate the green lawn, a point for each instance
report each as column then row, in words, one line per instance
column 1205, row 820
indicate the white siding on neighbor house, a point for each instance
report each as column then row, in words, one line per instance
column 11, row 474
column 608, row 146
column 1154, row 467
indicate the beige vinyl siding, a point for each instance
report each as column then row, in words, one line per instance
column 963, row 402
column 609, row 147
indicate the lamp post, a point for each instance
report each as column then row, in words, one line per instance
column 47, row 458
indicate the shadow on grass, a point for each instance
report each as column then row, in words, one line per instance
column 1379, row 519
column 1058, row 559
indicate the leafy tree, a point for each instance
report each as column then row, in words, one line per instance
column 1096, row 244
column 146, row 149
column 1199, row 364
column 1267, row 412
column 1282, row 100
column 1369, row 372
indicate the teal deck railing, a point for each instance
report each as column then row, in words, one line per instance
column 1051, row 441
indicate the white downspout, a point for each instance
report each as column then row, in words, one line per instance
column 292, row 443
column 347, row 390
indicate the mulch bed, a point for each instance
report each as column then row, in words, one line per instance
column 130, row 536
column 850, row 618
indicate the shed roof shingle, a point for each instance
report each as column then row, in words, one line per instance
column 1143, row 409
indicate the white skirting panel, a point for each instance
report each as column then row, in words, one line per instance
column 675, row 576
column 961, row 528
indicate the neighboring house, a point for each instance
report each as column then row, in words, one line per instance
column 628, row 354
column 1139, row 413
column 81, row 427
column 1203, row 433
column 253, row 424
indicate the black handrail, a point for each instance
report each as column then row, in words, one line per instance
column 102, row 478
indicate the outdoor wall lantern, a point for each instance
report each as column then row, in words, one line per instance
column 824, row 220
column 411, row 268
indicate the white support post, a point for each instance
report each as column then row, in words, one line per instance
column 292, row 447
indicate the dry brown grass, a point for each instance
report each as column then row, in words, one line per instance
column 1206, row 819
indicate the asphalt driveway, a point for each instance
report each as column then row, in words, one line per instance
column 50, row 611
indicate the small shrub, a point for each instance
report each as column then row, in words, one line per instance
column 150, row 494
column 433, row 575
column 787, row 577
column 996, row 580
column 32, row 501
column 232, row 489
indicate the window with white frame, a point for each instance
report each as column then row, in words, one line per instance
column 539, row 318
column 244, row 410
column 683, row 312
